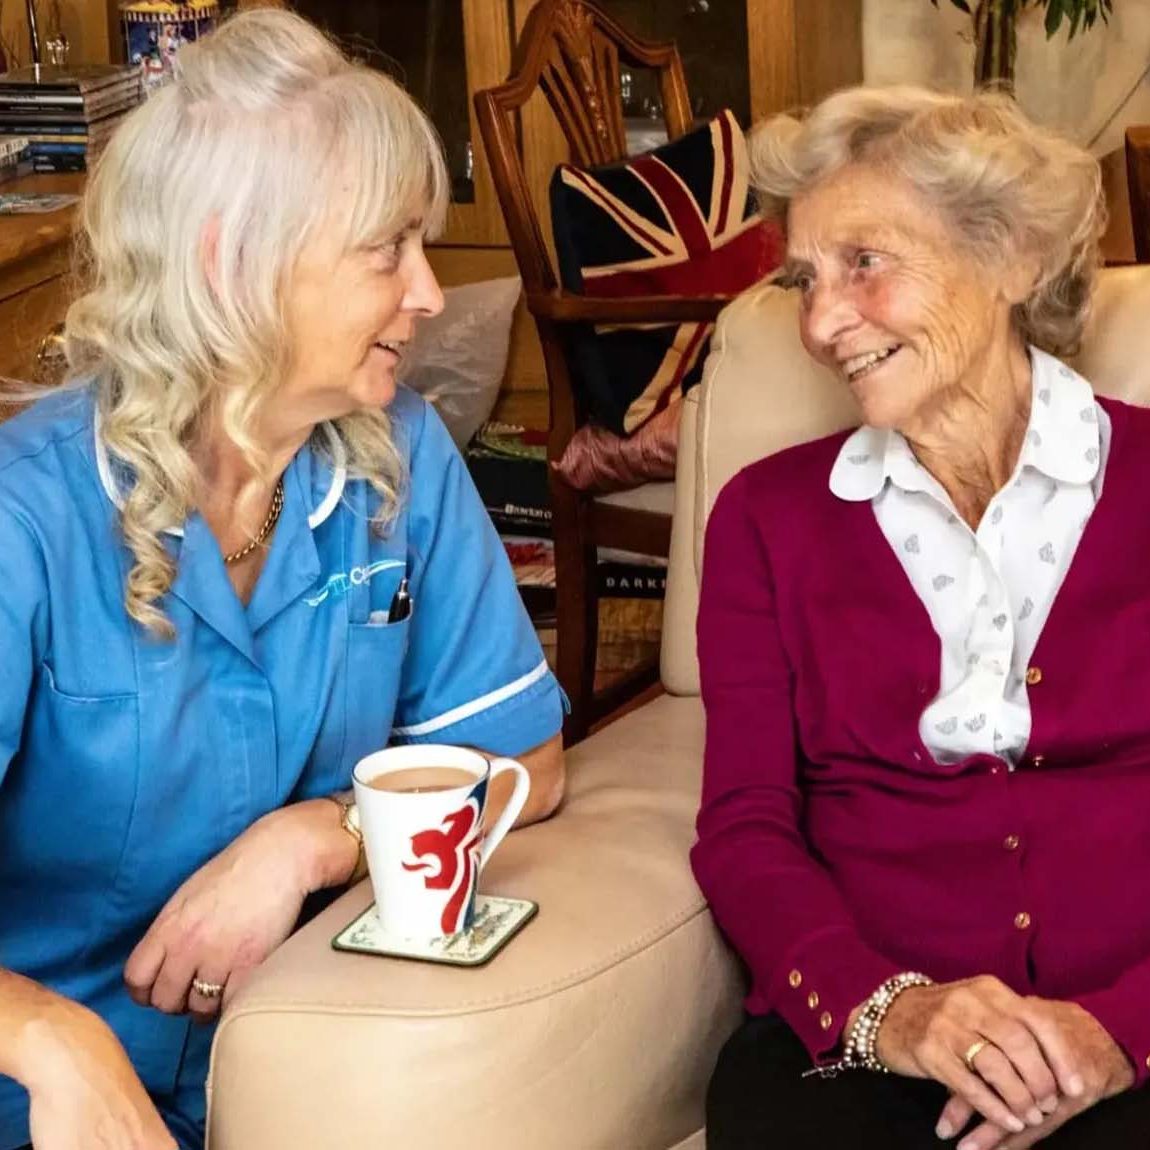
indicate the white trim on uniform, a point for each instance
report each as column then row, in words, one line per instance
column 323, row 511
column 483, row 703
column 338, row 478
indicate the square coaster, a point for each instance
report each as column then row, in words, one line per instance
column 497, row 920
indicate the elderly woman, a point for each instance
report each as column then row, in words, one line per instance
column 926, row 662
column 235, row 558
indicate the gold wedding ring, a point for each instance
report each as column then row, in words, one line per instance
column 207, row 989
column 972, row 1053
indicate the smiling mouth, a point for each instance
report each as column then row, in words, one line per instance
column 394, row 346
column 859, row 365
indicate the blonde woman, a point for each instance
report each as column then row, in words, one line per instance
column 926, row 805
column 234, row 558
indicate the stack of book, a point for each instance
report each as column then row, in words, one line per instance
column 509, row 467
column 15, row 159
column 67, row 114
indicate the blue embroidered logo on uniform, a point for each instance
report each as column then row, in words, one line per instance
column 343, row 582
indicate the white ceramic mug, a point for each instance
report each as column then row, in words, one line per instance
column 424, row 837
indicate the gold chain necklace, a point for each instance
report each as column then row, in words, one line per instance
column 266, row 530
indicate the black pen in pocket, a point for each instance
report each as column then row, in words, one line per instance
column 401, row 604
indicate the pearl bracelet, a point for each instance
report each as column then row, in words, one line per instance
column 860, row 1041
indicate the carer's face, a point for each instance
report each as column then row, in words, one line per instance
column 350, row 315
column 889, row 301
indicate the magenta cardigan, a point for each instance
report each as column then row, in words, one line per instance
column 834, row 850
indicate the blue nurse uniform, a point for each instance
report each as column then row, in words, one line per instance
column 126, row 763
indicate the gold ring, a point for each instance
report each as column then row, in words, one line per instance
column 972, row 1053
column 207, row 989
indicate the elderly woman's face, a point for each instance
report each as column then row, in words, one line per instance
column 350, row 316
column 888, row 298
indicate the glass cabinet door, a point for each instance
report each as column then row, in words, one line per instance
column 420, row 43
column 712, row 40
column 441, row 51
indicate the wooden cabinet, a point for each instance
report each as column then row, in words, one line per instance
column 88, row 24
column 35, row 266
column 442, row 51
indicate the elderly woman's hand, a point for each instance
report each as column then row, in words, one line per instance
column 1023, row 1064
column 234, row 911
column 1105, row 1071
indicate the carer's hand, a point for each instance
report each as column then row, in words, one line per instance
column 231, row 914
column 1100, row 1070
column 83, row 1091
column 929, row 1029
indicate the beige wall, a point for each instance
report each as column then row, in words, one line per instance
column 1090, row 88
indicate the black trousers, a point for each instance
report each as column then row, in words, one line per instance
column 758, row 1100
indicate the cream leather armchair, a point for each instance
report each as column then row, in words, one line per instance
column 598, row 1027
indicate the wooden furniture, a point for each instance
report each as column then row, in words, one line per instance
column 442, row 50
column 1138, row 180
column 572, row 51
column 35, row 264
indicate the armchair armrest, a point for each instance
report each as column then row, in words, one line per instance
column 599, row 1025
column 569, row 307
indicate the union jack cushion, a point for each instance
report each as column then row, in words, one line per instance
column 677, row 221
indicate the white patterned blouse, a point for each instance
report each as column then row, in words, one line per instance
column 988, row 592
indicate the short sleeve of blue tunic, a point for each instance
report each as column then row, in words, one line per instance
column 473, row 672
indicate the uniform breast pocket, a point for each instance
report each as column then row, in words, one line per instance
column 80, row 757
column 375, row 656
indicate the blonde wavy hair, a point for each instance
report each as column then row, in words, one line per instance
column 1007, row 186
column 258, row 121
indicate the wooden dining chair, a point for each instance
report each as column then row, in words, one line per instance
column 573, row 51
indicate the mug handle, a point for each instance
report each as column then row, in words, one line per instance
column 511, row 812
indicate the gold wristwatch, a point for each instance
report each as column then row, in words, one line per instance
column 349, row 820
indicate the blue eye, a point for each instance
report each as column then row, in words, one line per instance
column 864, row 261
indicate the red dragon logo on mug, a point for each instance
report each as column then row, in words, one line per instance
column 451, row 853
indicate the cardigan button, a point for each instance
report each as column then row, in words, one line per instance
column 1022, row 921
column 1037, row 760
column 825, row 1020
column 1011, row 842
column 1033, row 676
column 813, row 1000
column 795, row 979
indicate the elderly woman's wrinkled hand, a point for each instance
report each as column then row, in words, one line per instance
column 1017, row 1074
column 224, row 920
column 1105, row 1071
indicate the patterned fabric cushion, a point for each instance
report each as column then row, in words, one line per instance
column 598, row 460
column 676, row 221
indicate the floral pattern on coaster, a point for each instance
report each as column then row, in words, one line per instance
column 496, row 921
